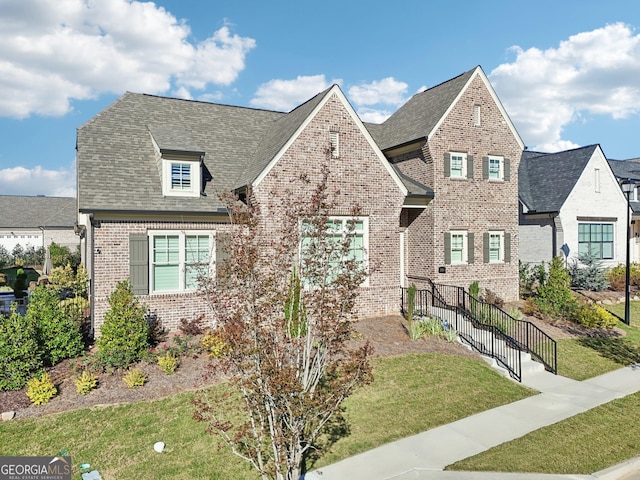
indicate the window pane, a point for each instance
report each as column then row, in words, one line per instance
column 596, row 232
column 494, row 168
column 607, row 250
column 165, row 278
column 607, row 232
column 180, row 176
column 456, row 165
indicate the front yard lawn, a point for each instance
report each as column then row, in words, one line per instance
column 408, row 396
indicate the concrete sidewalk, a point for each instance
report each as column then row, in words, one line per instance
column 425, row 455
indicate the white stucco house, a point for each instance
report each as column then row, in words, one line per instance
column 571, row 203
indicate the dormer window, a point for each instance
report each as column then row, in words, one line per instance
column 180, row 177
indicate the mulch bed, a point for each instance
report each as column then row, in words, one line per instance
column 387, row 335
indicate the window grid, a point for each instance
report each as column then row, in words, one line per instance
column 180, row 176
column 596, row 239
column 457, row 248
column 457, row 165
column 494, row 168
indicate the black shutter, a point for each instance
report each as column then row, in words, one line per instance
column 139, row 263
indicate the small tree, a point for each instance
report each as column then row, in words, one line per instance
column 587, row 273
column 19, row 352
column 288, row 354
column 555, row 296
column 125, row 331
column 59, row 334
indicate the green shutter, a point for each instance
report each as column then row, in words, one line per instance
column 507, row 247
column 485, row 168
column 222, row 247
column 447, row 164
column 471, row 251
column 485, row 247
column 507, row 170
column 469, row 166
column 139, row 263
column 447, row 248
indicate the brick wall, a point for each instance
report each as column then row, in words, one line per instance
column 357, row 177
column 111, row 253
column 474, row 205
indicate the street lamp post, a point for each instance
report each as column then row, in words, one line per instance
column 628, row 186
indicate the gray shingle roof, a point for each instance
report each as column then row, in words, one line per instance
column 545, row 180
column 228, row 135
column 418, row 117
column 627, row 169
column 33, row 212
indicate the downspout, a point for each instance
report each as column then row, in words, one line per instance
column 91, row 278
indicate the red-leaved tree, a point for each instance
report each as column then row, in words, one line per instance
column 283, row 301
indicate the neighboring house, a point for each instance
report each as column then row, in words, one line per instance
column 437, row 184
column 630, row 170
column 37, row 221
column 571, row 203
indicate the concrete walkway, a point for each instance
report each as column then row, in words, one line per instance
column 425, row 455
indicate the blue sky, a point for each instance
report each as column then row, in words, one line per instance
column 567, row 72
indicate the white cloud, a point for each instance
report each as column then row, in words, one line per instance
column 55, row 51
column 373, row 115
column 284, row 95
column 591, row 73
column 39, row 181
column 387, row 91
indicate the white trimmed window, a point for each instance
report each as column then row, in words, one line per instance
column 177, row 259
column 458, row 167
column 495, row 246
column 458, row 245
column 180, row 177
column 338, row 228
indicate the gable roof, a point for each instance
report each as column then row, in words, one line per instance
column 545, row 180
column 423, row 113
column 17, row 211
column 627, row 169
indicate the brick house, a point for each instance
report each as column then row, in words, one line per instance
column 571, row 203
column 150, row 170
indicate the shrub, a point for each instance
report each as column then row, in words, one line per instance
column 134, row 378
column 593, row 316
column 192, row 327
column 20, row 284
column 59, row 334
column 433, row 326
column 86, row 382
column 213, row 343
column 411, row 302
column 416, row 329
column 532, row 277
column 41, row 390
column 492, row 298
column 124, row 334
column 19, row 352
column 168, row 363
column 450, row 334
column 590, row 275
column 555, row 297
column 616, row 276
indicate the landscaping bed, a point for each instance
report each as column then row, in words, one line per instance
column 387, row 334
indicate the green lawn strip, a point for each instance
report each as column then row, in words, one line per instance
column 414, row 393
column 584, row 444
column 587, row 357
column 410, row 394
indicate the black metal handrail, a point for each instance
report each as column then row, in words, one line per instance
column 509, row 336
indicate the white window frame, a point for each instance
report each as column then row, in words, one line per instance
column 500, row 171
column 182, row 260
column 465, row 247
column 463, row 169
column 195, row 178
column 344, row 229
column 500, row 235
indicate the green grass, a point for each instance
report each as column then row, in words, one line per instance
column 587, row 357
column 410, row 394
column 586, row 443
